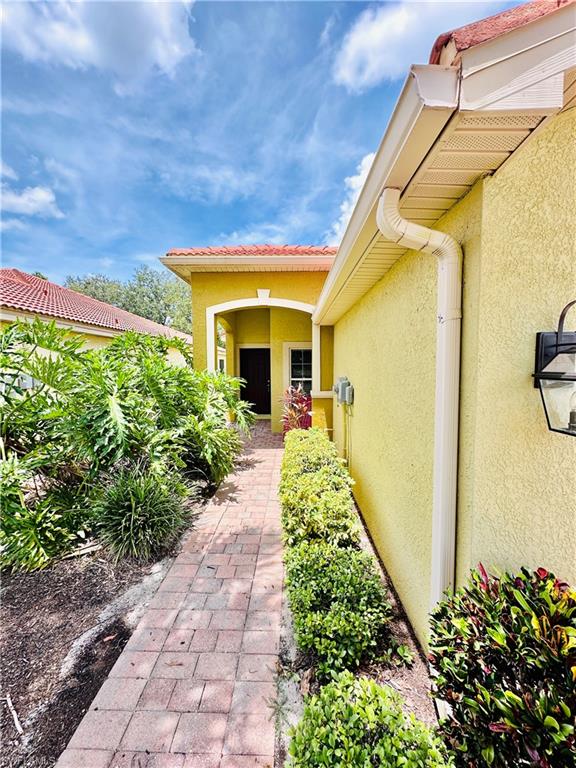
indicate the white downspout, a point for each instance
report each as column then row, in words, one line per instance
column 449, row 254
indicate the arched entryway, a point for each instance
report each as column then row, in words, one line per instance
column 271, row 343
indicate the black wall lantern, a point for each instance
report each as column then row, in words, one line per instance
column 555, row 376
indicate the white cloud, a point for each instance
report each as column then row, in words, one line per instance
column 129, row 39
column 259, row 234
column 32, row 201
column 105, row 262
column 353, row 186
column 326, row 34
column 213, row 182
column 297, row 216
column 6, row 171
column 384, row 41
column 148, row 258
column 11, row 224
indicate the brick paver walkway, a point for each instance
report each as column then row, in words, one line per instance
column 192, row 686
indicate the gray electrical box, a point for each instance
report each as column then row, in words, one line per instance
column 340, row 389
column 349, row 395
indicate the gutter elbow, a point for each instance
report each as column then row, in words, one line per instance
column 391, row 225
column 394, row 227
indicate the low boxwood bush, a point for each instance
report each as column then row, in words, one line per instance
column 505, row 652
column 338, row 602
column 308, row 450
column 140, row 513
column 356, row 723
column 319, row 505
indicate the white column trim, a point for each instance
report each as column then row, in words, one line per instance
column 316, row 359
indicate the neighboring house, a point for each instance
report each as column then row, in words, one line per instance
column 446, row 437
column 24, row 296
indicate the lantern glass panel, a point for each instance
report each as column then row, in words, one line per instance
column 559, row 395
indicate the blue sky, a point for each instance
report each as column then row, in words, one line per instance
column 133, row 127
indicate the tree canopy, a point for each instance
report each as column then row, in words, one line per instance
column 148, row 293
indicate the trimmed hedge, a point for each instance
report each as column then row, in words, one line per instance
column 337, row 597
column 338, row 602
column 308, row 450
column 505, row 652
column 356, row 723
column 341, row 615
column 315, row 493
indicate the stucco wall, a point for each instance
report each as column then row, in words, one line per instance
column 253, row 326
column 385, row 345
column 517, row 485
column 214, row 288
column 285, row 325
column 523, row 504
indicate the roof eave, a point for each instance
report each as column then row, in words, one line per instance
column 426, row 103
column 519, row 72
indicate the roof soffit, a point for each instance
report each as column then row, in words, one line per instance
column 492, row 118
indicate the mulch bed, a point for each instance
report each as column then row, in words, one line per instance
column 42, row 613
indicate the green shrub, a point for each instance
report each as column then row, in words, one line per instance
column 356, row 723
column 140, row 513
column 505, row 652
column 308, row 450
column 315, row 492
column 338, row 602
column 319, row 505
column 211, row 448
column 32, row 532
column 73, row 416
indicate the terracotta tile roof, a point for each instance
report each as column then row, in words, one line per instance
column 494, row 26
column 19, row 290
column 256, row 250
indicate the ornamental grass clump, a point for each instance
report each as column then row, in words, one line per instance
column 339, row 605
column 356, row 723
column 504, row 649
column 140, row 513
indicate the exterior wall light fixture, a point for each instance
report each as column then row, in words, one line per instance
column 555, row 376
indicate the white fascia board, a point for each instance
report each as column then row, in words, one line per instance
column 305, row 262
column 426, row 103
column 522, row 70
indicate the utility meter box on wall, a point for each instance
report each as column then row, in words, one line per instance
column 340, row 389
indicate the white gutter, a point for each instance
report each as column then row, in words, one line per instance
column 449, row 254
column 426, row 103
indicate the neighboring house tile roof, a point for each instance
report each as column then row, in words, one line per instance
column 494, row 26
column 19, row 290
column 256, row 250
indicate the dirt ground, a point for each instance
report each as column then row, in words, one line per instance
column 41, row 615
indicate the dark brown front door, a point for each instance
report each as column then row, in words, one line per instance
column 255, row 369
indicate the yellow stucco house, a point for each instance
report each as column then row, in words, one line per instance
column 461, row 248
